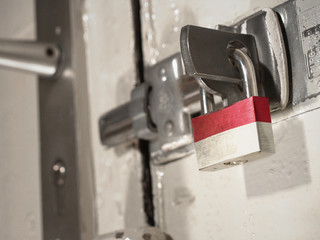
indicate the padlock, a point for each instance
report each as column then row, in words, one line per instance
column 238, row 133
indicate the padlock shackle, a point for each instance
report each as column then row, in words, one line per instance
column 207, row 101
column 240, row 58
column 247, row 72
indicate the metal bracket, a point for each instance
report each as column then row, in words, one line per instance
column 174, row 139
column 158, row 112
column 204, row 53
column 265, row 27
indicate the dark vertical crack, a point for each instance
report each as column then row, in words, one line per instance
column 147, row 183
column 137, row 40
column 143, row 145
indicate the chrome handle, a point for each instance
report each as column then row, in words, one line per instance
column 28, row 56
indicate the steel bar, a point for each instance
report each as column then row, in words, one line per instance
column 28, row 56
column 116, row 126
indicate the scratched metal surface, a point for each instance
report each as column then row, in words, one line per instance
column 273, row 198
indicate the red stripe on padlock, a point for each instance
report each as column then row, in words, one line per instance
column 249, row 110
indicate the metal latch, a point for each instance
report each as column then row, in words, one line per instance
column 159, row 111
column 204, row 54
column 160, row 108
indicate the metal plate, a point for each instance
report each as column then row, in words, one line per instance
column 60, row 124
column 174, row 139
column 205, row 53
column 300, row 21
column 205, row 57
column 264, row 26
column 309, row 35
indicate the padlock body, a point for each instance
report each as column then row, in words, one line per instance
column 234, row 135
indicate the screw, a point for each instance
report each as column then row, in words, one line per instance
column 57, row 30
column 59, row 172
column 162, row 74
column 168, row 127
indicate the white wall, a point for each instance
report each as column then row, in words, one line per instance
column 20, row 203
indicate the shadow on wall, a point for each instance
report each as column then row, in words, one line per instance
column 287, row 168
